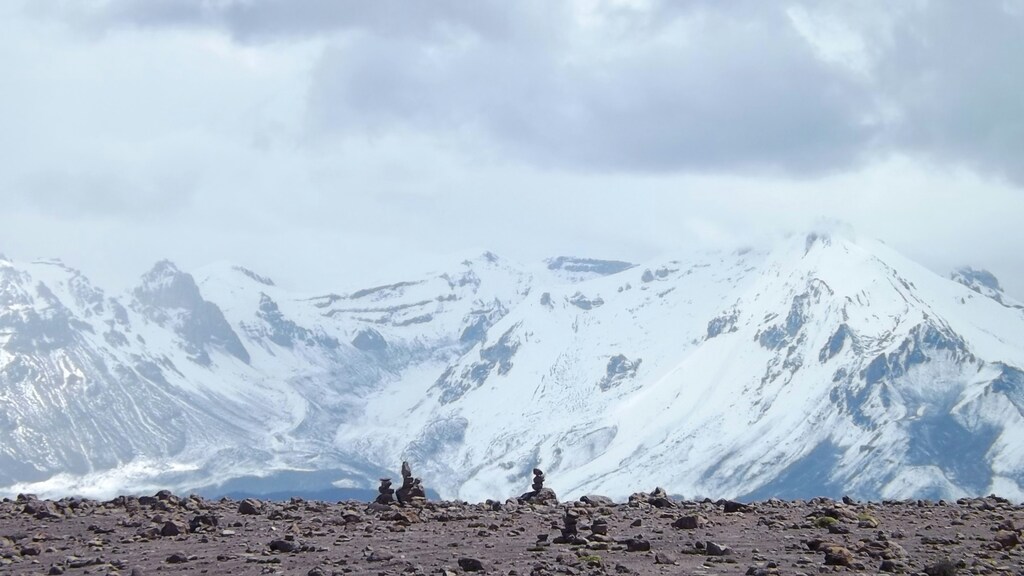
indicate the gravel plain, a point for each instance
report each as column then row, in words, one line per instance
column 650, row 534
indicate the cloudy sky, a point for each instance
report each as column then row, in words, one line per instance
column 337, row 143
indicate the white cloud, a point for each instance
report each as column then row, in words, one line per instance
column 334, row 144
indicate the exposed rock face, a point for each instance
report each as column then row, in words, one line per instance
column 584, row 268
column 170, row 297
column 618, row 371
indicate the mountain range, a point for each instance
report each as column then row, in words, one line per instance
column 821, row 365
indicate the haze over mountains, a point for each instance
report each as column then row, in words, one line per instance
column 824, row 365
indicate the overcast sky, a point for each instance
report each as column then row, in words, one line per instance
column 335, row 143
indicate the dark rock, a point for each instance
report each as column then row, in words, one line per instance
column 1007, row 539
column 545, row 496
column 42, row 510
column 596, row 500
column 379, row 556
column 411, row 490
column 286, row 546
column 385, row 493
column 664, row 558
column 943, row 568
column 471, row 564
column 837, row 556
column 249, row 507
column 176, row 558
column 888, row 566
column 662, row 502
column 838, row 529
column 201, row 522
column 731, row 506
column 539, row 494
column 689, row 522
column 171, row 529
column 637, row 544
column 75, row 562
column 715, row 549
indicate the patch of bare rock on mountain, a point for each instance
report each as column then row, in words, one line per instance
column 650, row 534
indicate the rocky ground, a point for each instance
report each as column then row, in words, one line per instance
column 651, row 534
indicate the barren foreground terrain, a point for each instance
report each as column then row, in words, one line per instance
column 651, row 534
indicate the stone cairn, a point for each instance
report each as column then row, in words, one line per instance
column 539, row 494
column 538, row 479
column 385, row 494
column 411, row 490
column 569, row 529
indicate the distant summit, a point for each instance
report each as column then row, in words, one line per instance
column 822, row 365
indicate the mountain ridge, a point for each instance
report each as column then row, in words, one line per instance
column 824, row 364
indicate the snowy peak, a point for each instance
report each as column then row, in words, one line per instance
column 745, row 366
column 169, row 297
column 165, row 286
column 822, row 365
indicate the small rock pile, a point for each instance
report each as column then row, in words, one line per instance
column 538, row 480
column 658, row 498
column 570, row 530
column 385, row 494
column 539, row 494
column 411, row 490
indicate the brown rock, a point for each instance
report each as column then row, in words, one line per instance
column 943, row 568
column 250, row 507
column 837, row 555
column 689, row 522
column 637, row 544
column 177, row 558
column 596, row 500
column 1007, row 539
column 664, row 558
column 172, row 529
column 731, row 506
column 31, row 550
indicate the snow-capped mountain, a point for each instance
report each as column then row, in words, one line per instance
column 823, row 365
